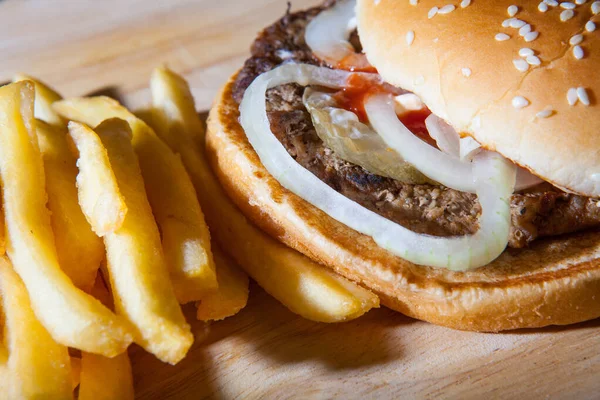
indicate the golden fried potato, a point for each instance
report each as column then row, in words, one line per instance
column 2, row 231
column 4, row 378
column 185, row 237
column 102, row 377
column 302, row 285
column 72, row 317
column 139, row 278
column 99, row 195
column 232, row 295
column 105, row 378
column 75, row 372
column 37, row 366
column 174, row 109
column 80, row 251
column 44, row 97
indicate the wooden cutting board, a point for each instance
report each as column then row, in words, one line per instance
column 266, row 351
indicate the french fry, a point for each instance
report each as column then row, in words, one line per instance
column 72, row 317
column 4, row 379
column 99, row 196
column 138, row 275
column 185, row 236
column 75, row 372
column 174, row 110
column 79, row 250
column 38, row 367
column 105, row 378
column 2, row 231
column 4, row 372
column 44, row 97
column 303, row 286
column 102, row 377
column 232, row 295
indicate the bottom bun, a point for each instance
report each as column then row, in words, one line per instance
column 553, row 282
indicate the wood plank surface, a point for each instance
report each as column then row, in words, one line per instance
column 87, row 46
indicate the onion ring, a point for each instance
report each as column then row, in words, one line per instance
column 494, row 181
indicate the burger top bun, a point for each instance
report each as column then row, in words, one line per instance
column 520, row 77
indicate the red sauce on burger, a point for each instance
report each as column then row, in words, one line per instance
column 356, row 62
column 352, row 98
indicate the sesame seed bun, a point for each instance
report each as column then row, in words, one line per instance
column 554, row 282
column 469, row 78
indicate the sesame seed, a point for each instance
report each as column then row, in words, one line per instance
column 465, row 3
column 566, row 15
column 519, row 102
column 432, row 12
column 413, row 2
column 545, row 113
column 576, row 39
column 590, row 26
column 526, row 51
column 568, row 5
column 506, row 22
column 531, row 36
column 512, row 10
column 525, row 29
column 543, row 7
column 410, row 37
column 376, row 2
column 578, row 52
column 466, row 72
column 517, row 23
column 435, row 40
column 521, row 65
column 501, row 37
column 572, row 96
column 533, row 60
column 595, row 7
column 551, row 3
column 447, row 9
column 476, row 122
column 583, row 96
column 580, row 2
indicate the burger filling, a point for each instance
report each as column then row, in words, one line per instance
column 339, row 128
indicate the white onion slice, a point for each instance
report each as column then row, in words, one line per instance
column 448, row 170
column 460, row 151
column 445, row 136
column 526, row 179
column 327, row 36
column 407, row 102
column 494, row 180
column 469, row 148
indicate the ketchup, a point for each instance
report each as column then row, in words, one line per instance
column 352, row 98
column 356, row 62
column 415, row 122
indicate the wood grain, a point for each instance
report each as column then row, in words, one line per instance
column 88, row 46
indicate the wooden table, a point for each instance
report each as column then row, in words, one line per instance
column 86, row 46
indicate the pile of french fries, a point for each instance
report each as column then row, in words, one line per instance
column 103, row 237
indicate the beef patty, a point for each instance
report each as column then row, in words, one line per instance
column 540, row 211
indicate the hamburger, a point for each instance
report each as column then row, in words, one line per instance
column 445, row 156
